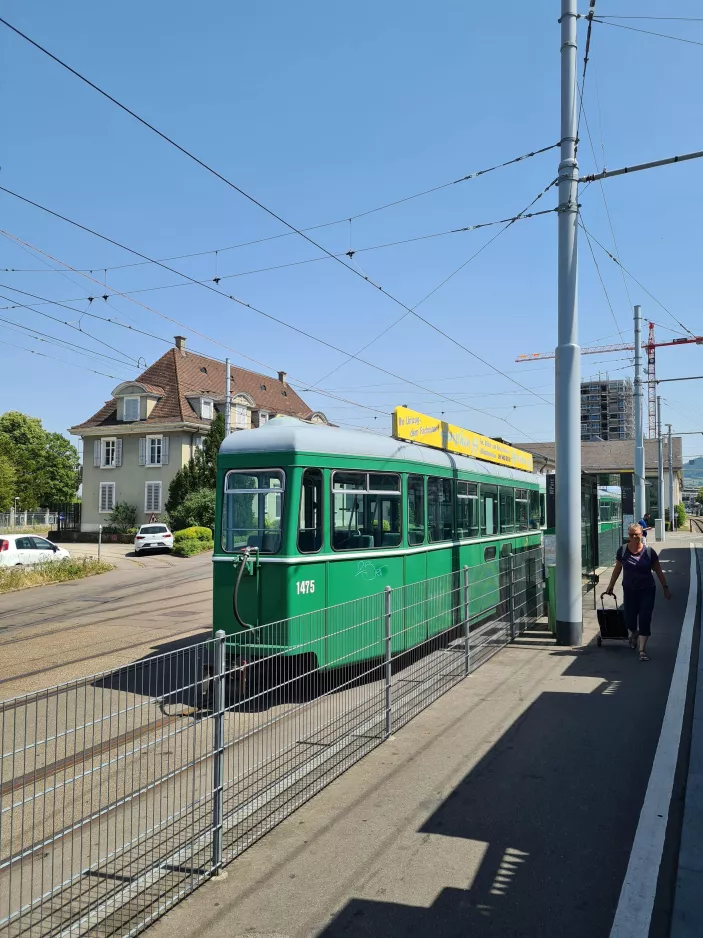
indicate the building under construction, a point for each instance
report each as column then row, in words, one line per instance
column 607, row 410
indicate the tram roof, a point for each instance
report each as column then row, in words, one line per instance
column 288, row 435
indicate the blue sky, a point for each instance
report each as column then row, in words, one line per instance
column 322, row 111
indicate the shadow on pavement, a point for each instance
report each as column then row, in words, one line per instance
column 556, row 801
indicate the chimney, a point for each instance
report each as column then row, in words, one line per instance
column 180, row 343
column 282, row 375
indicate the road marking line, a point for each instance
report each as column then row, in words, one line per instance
column 634, row 911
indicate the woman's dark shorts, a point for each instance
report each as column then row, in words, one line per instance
column 639, row 605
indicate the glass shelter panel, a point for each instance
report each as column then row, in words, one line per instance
column 252, row 510
column 522, row 510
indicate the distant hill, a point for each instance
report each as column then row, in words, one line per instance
column 694, row 464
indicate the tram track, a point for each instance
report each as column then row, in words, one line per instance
column 105, row 620
column 104, row 599
column 98, row 654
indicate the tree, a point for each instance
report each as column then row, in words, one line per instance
column 45, row 464
column 7, row 483
column 123, row 517
column 196, row 510
column 200, row 472
column 699, row 497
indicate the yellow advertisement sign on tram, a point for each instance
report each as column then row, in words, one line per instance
column 421, row 428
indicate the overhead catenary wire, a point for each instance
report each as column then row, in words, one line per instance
column 413, row 310
column 310, row 260
column 632, row 277
column 63, row 361
column 206, row 286
column 293, row 228
column 229, row 183
column 648, row 32
column 46, row 337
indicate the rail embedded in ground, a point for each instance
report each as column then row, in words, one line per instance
column 122, row 792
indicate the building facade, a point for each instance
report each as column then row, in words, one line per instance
column 136, row 443
column 607, row 410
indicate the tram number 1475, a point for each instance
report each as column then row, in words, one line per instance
column 305, row 586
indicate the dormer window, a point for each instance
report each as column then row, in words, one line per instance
column 131, row 408
column 206, row 408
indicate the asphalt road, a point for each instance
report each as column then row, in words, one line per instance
column 51, row 634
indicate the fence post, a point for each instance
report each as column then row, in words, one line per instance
column 511, row 594
column 100, row 539
column 467, row 646
column 387, row 619
column 218, row 744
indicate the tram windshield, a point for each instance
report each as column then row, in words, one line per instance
column 252, row 510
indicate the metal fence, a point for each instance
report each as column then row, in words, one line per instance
column 124, row 791
column 27, row 519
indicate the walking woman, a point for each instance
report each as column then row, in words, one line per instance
column 638, row 587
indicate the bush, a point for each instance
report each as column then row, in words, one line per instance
column 680, row 515
column 195, row 533
column 196, row 510
column 122, row 518
column 190, row 546
column 56, row 571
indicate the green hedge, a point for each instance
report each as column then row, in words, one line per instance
column 192, row 534
column 189, row 546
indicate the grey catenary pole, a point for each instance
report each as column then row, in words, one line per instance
column 660, row 466
column 639, row 428
column 569, row 617
column 672, row 513
column 228, row 399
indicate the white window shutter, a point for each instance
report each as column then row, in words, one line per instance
column 157, row 496
column 164, row 451
column 97, row 448
column 142, row 451
column 118, row 452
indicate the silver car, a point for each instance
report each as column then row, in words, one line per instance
column 153, row 537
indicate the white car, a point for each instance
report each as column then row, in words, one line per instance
column 18, row 550
column 153, row 537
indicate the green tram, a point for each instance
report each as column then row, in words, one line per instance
column 610, row 534
column 310, row 517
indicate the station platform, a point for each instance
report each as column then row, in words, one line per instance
column 543, row 797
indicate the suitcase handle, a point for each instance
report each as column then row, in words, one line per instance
column 602, row 601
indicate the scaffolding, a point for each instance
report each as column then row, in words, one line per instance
column 607, row 410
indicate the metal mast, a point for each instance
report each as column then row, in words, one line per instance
column 569, row 617
column 639, row 429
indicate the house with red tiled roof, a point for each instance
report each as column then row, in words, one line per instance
column 136, row 443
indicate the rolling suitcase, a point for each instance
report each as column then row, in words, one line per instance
column 611, row 622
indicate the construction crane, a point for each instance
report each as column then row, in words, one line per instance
column 650, row 349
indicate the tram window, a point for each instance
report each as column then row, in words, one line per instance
column 489, row 510
column 310, row 524
column 416, row 510
column 440, row 509
column 252, row 510
column 604, row 511
column 507, row 510
column 366, row 510
column 535, row 519
column 522, row 510
column 489, row 553
column 467, row 509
